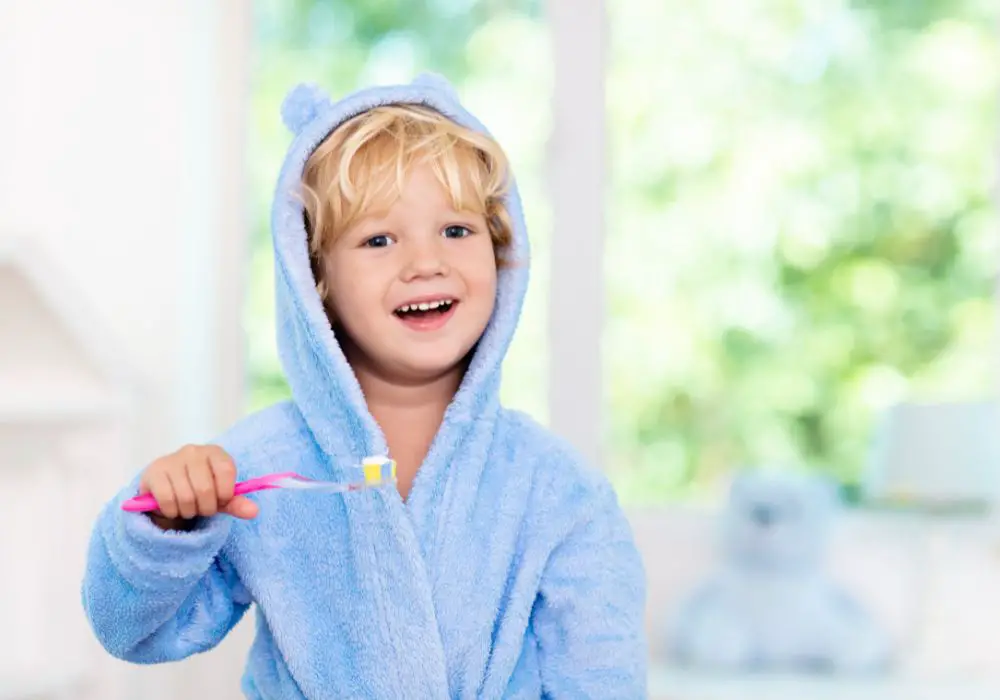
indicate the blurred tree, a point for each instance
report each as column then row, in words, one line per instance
column 802, row 231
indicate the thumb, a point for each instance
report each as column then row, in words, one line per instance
column 241, row 507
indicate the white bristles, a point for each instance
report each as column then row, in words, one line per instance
column 291, row 482
column 302, row 484
column 378, row 470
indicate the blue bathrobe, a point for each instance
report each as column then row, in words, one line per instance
column 509, row 572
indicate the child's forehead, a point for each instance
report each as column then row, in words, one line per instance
column 419, row 200
column 405, row 136
column 434, row 178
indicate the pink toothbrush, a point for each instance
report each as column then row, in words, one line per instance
column 378, row 471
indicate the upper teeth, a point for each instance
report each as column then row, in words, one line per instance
column 424, row 305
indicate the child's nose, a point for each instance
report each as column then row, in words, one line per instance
column 426, row 259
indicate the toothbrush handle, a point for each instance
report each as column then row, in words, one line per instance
column 141, row 504
column 147, row 502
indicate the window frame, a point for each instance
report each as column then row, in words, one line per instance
column 577, row 184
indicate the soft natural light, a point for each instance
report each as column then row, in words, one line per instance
column 801, row 234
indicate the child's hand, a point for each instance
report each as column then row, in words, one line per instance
column 197, row 480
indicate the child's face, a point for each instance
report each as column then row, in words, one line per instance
column 419, row 253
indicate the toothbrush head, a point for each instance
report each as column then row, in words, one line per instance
column 379, row 469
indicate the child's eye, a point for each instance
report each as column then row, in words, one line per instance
column 457, row 231
column 379, row 241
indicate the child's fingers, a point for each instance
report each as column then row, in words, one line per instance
column 203, row 484
column 150, row 475
column 241, row 507
column 187, row 504
column 224, row 473
column 159, row 485
column 195, row 480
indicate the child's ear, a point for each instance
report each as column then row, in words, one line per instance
column 302, row 105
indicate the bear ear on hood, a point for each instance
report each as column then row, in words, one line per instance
column 302, row 105
column 306, row 101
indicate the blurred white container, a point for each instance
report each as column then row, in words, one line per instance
column 937, row 454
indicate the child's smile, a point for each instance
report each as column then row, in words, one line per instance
column 426, row 314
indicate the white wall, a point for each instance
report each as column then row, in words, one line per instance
column 121, row 134
column 111, row 140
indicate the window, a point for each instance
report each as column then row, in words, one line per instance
column 799, row 227
column 800, row 230
column 342, row 45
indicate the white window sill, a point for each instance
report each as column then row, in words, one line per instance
column 672, row 684
column 54, row 686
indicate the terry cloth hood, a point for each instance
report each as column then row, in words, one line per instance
column 510, row 572
column 322, row 382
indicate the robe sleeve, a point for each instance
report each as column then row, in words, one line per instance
column 153, row 596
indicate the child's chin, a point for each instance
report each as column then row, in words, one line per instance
column 433, row 366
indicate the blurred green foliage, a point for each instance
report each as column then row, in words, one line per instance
column 801, row 228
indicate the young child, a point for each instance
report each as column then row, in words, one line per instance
column 500, row 567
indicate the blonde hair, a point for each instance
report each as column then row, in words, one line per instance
column 360, row 168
